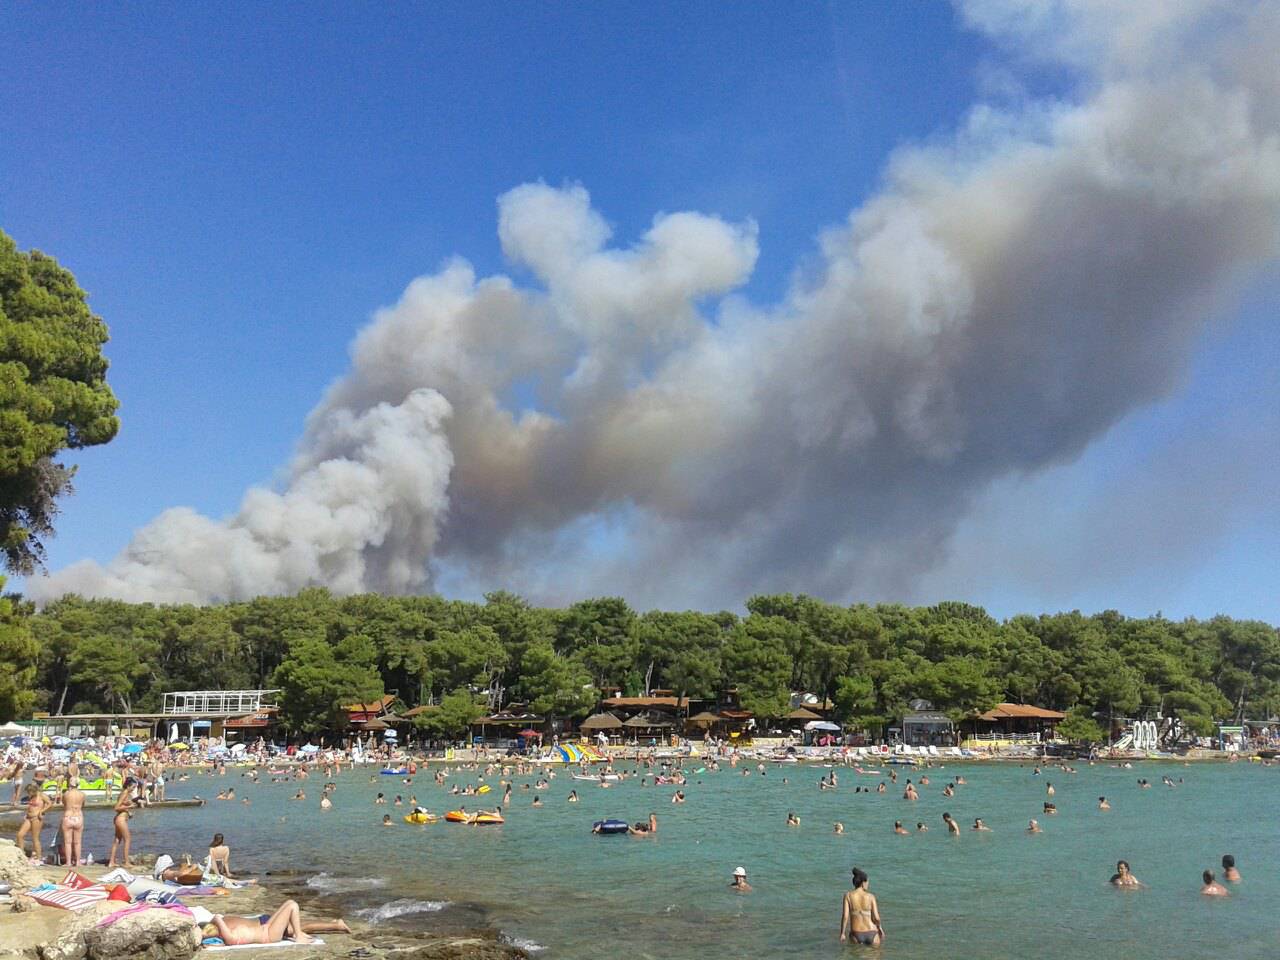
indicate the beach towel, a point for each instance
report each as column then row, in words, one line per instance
column 69, row 898
column 317, row 942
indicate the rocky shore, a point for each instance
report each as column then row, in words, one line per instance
column 32, row 931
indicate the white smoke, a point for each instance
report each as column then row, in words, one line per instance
column 1000, row 303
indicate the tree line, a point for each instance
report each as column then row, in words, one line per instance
column 83, row 656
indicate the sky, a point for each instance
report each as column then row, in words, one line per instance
column 885, row 302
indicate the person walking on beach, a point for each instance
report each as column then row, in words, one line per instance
column 72, row 822
column 860, row 916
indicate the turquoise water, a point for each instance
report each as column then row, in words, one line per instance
column 543, row 878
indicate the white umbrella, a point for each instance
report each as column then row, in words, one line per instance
column 12, row 729
column 821, row 725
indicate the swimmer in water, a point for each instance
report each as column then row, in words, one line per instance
column 739, row 883
column 1050, row 808
column 1102, row 804
column 948, row 791
column 899, row 829
column 573, row 796
column 325, row 802
column 679, row 797
column 920, row 827
column 1049, row 792
column 1034, row 827
column 1123, row 877
column 839, row 827
column 792, row 819
column 953, row 828
column 386, row 820
column 980, row 826
column 1229, row 871
column 910, row 792
column 1212, row 888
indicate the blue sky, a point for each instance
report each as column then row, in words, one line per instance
column 239, row 187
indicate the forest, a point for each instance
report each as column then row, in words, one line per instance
column 323, row 650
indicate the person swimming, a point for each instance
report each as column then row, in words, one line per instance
column 860, row 914
column 839, row 827
column 980, row 826
column 386, row 820
column 1050, row 808
column 643, row 829
column 1123, row 877
column 899, row 829
column 920, row 827
column 1034, row 827
column 739, row 882
column 792, row 819
column 1212, row 888
column 1102, row 804
column 953, row 828
column 1229, row 871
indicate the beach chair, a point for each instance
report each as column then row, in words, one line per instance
column 933, row 751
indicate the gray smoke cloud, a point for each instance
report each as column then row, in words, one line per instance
column 998, row 304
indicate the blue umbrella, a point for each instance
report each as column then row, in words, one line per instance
column 132, row 748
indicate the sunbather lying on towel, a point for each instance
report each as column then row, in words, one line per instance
column 285, row 923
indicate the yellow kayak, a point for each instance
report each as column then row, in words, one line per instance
column 420, row 818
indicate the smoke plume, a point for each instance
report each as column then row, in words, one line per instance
column 1001, row 301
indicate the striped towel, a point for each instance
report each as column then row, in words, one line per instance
column 68, row 898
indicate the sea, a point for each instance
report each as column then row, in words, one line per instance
column 548, row 884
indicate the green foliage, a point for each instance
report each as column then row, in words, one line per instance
column 871, row 661
column 318, row 678
column 453, row 716
column 18, row 652
column 53, row 395
column 1079, row 727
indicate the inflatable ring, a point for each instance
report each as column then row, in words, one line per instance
column 609, row 827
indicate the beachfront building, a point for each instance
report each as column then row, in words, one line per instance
column 924, row 726
column 185, row 715
column 1009, row 723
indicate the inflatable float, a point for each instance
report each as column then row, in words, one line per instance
column 609, row 777
column 476, row 819
column 420, row 818
column 394, row 772
column 610, row 826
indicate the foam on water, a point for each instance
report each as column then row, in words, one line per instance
column 400, row 908
column 331, row 884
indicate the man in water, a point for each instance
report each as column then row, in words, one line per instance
column 643, row 829
column 899, row 829
column 1102, row 804
column 1212, row 888
column 792, row 819
column 980, row 826
column 1122, row 876
column 1229, row 871
column 953, row 828
column 739, row 882
column 1034, row 827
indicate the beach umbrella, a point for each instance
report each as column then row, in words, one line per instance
column 601, row 721
column 12, row 729
column 309, row 748
column 529, row 733
column 821, row 725
column 389, row 735
column 132, row 748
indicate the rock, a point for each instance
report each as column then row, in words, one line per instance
column 22, row 904
column 147, row 935
column 15, row 869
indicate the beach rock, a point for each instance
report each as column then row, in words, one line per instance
column 149, row 935
column 22, row 904
column 16, row 870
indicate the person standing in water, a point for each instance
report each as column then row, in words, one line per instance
column 72, row 822
column 953, row 828
column 860, row 915
column 739, row 882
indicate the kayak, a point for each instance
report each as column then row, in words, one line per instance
column 421, row 818
column 611, row 826
column 456, row 816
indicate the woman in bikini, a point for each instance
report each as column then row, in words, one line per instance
column 286, row 922
column 860, row 919
column 37, row 803
column 123, row 809
column 72, row 821
column 219, row 854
